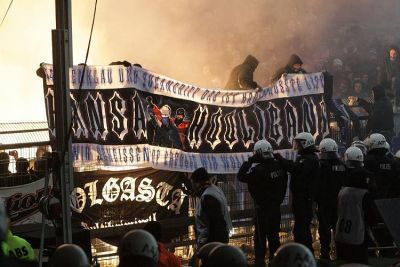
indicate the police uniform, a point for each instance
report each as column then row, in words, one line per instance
column 384, row 169
column 329, row 185
column 267, row 181
column 303, row 185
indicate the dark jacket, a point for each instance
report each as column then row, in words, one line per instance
column 294, row 59
column 381, row 117
column 330, row 181
column 266, row 180
column 241, row 77
column 305, row 173
column 384, row 172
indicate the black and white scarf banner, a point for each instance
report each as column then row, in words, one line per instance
column 129, row 124
column 103, row 199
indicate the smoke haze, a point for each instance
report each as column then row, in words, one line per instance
column 198, row 42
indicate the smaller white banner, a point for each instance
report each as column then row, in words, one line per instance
column 90, row 157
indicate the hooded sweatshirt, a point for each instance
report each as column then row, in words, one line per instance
column 294, row 59
column 241, row 77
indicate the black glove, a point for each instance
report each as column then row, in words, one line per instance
column 256, row 158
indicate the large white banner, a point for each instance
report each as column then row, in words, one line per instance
column 118, row 77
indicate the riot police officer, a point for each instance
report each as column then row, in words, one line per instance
column 381, row 165
column 303, row 185
column 267, row 182
column 329, row 185
column 355, row 210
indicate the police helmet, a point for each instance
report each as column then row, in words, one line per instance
column 204, row 251
column 361, row 145
column 376, row 140
column 328, row 149
column 138, row 243
column 293, row 254
column 68, row 255
column 353, row 154
column 328, row 145
column 226, row 255
column 397, row 155
column 305, row 140
column 263, row 148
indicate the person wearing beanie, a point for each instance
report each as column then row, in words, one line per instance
column 241, row 77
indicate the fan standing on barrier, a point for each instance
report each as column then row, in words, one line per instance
column 266, row 180
column 303, row 185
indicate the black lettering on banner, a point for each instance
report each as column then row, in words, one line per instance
column 260, row 115
column 310, row 120
column 97, row 116
column 324, row 129
column 231, row 132
column 50, row 110
column 214, row 131
column 248, row 132
column 78, row 126
column 275, row 128
column 139, row 117
column 292, row 121
column 196, row 128
column 119, row 120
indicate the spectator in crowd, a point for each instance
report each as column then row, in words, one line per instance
column 241, row 77
column 381, row 116
column 391, row 74
column 266, row 180
column 68, row 255
column 212, row 219
column 303, row 185
column 355, row 211
column 358, row 96
column 329, row 185
column 138, row 248
column 294, row 65
column 23, row 174
column 42, row 165
column 166, row 259
column 4, row 164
